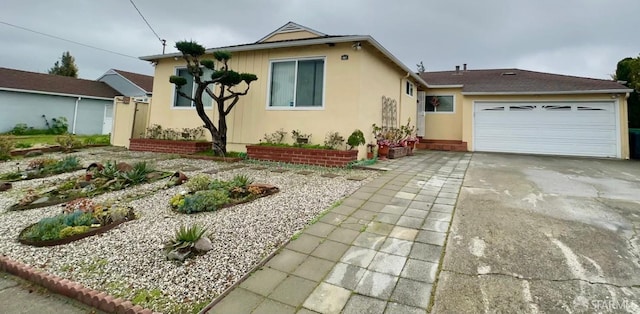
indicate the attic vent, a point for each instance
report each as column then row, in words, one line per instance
column 508, row 73
column 291, row 27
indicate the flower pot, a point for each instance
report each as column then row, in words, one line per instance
column 369, row 155
column 411, row 145
column 383, row 151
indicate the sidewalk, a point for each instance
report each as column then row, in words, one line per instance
column 19, row 296
column 378, row 252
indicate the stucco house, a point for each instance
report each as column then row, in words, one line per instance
column 26, row 96
column 318, row 83
column 128, row 83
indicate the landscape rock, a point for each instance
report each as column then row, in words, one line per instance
column 33, row 153
column 41, row 200
column 203, row 245
column 178, row 256
column 5, row 186
column 124, row 167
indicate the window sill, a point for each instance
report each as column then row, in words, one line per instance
column 440, row 112
column 295, row 108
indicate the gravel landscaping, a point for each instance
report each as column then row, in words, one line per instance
column 128, row 261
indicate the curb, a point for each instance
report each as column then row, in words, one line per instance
column 71, row 289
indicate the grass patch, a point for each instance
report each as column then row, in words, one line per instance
column 210, row 152
column 308, row 146
column 25, row 141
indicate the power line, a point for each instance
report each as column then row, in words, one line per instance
column 162, row 41
column 67, row 40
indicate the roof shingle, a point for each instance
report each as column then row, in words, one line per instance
column 17, row 79
column 518, row 81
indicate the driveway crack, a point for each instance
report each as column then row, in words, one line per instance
column 520, row 277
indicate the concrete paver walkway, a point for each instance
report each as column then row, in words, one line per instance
column 377, row 252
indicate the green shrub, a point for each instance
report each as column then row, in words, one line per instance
column 199, row 182
column 66, row 164
column 20, row 129
column 333, row 140
column 23, row 145
column 97, row 140
column 59, row 125
column 71, row 231
column 6, row 145
column 46, row 229
column 204, row 201
column 78, row 218
column 356, row 139
column 68, row 142
column 241, row 180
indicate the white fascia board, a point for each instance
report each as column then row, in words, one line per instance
column 601, row 91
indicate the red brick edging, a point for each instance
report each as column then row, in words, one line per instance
column 71, row 289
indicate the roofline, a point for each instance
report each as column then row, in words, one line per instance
column 446, row 86
column 305, row 42
column 126, row 79
column 595, row 91
column 51, row 93
column 313, row 31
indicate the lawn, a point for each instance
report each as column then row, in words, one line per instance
column 26, row 141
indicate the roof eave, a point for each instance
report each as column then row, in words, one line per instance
column 53, row 93
column 573, row 92
column 445, row 86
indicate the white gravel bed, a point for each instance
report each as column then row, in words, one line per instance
column 129, row 259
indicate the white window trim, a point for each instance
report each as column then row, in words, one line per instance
column 413, row 88
column 294, row 108
column 174, row 94
column 441, row 112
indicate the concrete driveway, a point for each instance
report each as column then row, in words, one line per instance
column 534, row 234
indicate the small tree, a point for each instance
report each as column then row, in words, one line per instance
column 628, row 70
column 223, row 93
column 66, row 66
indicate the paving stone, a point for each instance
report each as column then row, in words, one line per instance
column 418, row 213
column 442, row 208
column 435, row 225
column 304, row 244
column 425, row 198
column 417, row 204
column 353, row 202
column 279, row 170
column 410, row 222
column 327, row 298
column 431, row 237
column 369, row 240
column 400, row 202
column 319, row 229
column 360, row 304
column 393, row 209
column 387, row 218
column 286, row 261
column 405, row 195
column 292, row 291
column 343, row 209
column 403, row 233
column 345, row 275
column 355, row 224
column 411, row 292
column 313, row 268
column 396, row 246
column 263, row 281
column 439, row 216
column 450, row 190
column 372, row 206
column 387, row 263
column 415, row 269
column 410, row 188
column 426, row 252
column 445, row 201
column 306, row 311
column 368, row 189
column 330, row 250
column 380, row 228
column 333, row 218
column 329, row 175
column 364, row 214
column 384, row 199
column 357, row 178
column 343, row 235
column 387, row 192
column 358, row 256
column 376, row 284
column 237, row 301
column 448, row 195
column 269, row 307
column 304, row 172
column 396, row 308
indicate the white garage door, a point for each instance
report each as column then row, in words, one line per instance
column 554, row 128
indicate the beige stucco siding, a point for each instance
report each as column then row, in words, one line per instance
column 352, row 96
column 445, row 125
column 468, row 101
column 290, row 36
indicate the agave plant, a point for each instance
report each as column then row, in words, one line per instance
column 183, row 243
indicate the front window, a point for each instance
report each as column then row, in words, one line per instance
column 190, row 89
column 439, row 104
column 409, row 88
column 297, row 83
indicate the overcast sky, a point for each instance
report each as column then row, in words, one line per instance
column 574, row 37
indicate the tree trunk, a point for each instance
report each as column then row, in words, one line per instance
column 222, row 128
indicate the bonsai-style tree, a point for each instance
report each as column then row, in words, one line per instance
column 219, row 86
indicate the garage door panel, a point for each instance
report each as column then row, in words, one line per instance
column 563, row 128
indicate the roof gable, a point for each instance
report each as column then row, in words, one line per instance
column 11, row 79
column 145, row 82
column 290, row 31
column 517, row 81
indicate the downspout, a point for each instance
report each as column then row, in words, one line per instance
column 75, row 116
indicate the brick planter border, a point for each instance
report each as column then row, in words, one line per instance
column 167, row 146
column 71, row 289
column 308, row 156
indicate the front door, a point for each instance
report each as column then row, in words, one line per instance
column 420, row 126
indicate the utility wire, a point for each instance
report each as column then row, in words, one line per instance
column 162, row 41
column 67, row 40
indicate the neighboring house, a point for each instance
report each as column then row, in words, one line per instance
column 129, row 84
column 319, row 83
column 518, row 111
column 26, row 96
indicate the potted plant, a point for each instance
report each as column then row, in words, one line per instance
column 370, row 147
